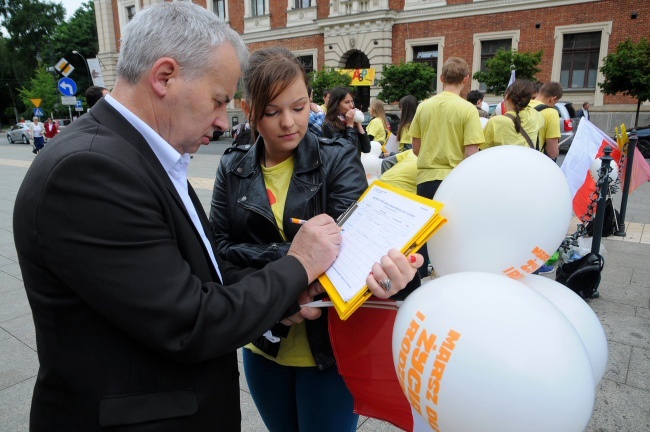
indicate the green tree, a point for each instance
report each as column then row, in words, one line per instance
column 327, row 78
column 43, row 86
column 627, row 71
column 78, row 34
column 497, row 69
column 399, row 80
column 29, row 25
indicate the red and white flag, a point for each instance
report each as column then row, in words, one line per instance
column 588, row 144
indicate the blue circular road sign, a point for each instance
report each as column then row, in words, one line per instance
column 67, row 86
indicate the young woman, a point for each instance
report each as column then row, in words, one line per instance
column 339, row 120
column 377, row 129
column 407, row 105
column 520, row 125
column 288, row 173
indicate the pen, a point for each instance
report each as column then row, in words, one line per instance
column 300, row 221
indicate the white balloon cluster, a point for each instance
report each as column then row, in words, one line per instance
column 488, row 346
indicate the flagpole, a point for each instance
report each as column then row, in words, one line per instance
column 631, row 146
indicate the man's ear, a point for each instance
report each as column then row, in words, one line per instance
column 163, row 72
column 246, row 108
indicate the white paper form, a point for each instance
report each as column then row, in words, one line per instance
column 382, row 221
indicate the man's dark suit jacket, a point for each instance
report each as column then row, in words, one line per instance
column 133, row 328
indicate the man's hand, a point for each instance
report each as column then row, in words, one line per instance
column 392, row 273
column 310, row 313
column 316, row 245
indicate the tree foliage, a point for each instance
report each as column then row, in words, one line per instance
column 627, row 71
column 412, row 78
column 78, row 34
column 42, row 86
column 30, row 24
column 497, row 69
column 327, row 78
column 36, row 28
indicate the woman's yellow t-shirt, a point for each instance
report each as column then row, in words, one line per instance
column 294, row 349
column 377, row 130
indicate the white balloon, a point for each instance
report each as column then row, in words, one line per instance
column 498, row 218
column 482, row 352
column 582, row 317
column 358, row 116
column 371, row 162
column 595, row 170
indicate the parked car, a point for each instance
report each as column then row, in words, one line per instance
column 643, row 144
column 19, row 133
column 567, row 122
column 393, row 121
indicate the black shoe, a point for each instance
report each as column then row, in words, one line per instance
column 35, row 151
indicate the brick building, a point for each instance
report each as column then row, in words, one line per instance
column 574, row 35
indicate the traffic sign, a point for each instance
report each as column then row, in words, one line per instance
column 67, row 87
column 80, row 106
column 38, row 112
column 68, row 100
column 36, row 102
column 64, row 67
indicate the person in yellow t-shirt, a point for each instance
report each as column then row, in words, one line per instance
column 403, row 174
column 519, row 120
column 288, row 173
column 549, row 137
column 446, row 129
column 378, row 126
column 407, row 105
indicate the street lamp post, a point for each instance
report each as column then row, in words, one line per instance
column 13, row 102
column 87, row 67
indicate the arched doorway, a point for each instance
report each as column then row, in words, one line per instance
column 358, row 60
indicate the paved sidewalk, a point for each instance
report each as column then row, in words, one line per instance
column 623, row 396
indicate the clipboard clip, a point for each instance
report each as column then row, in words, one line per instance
column 346, row 214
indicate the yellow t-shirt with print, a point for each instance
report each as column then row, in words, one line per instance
column 500, row 130
column 294, row 349
column 551, row 128
column 377, row 130
column 445, row 124
column 404, row 172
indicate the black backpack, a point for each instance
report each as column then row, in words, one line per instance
column 582, row 276
column 610, row 223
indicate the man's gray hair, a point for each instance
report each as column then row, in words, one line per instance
column 183, row 31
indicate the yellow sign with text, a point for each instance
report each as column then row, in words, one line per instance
column 360, row 77
column 36, row 102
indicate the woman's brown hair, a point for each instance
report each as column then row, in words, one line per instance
column 270, row 71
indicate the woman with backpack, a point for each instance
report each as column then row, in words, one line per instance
column 520, row 125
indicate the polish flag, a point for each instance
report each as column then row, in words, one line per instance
column 588, row 144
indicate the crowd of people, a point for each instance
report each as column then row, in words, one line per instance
column 140, row 299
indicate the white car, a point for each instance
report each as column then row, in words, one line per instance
column 19, row 133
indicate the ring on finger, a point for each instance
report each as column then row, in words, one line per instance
column 386, row 284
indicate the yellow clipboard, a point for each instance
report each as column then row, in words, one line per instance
column 405, row 245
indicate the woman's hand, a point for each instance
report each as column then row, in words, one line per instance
column 393, row 273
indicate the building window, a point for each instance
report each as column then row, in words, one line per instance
column 219, row 8
column 489, row 49
column 307, row 62
column 130, row 12
column 301, row 4
column 257, row 8
column 427, row 54
column 580, row 60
